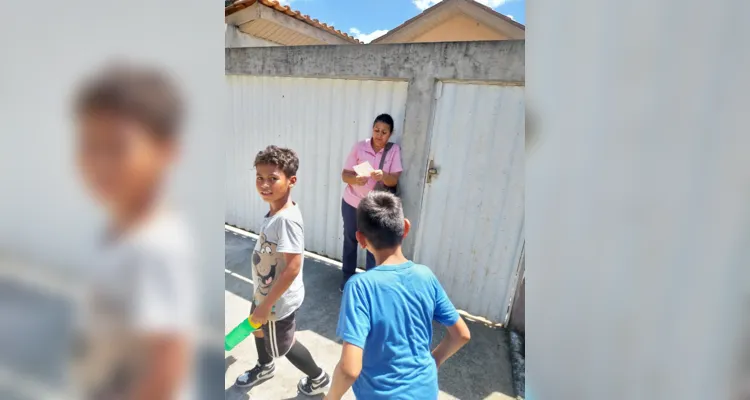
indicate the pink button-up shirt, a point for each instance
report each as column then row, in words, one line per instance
column 361, row 152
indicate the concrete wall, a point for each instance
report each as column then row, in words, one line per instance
column 420, row 64
column 233, row 37
column 459, row 29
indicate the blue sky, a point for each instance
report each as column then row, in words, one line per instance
column 368, row 19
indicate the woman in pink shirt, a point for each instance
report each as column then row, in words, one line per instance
column 371, row 150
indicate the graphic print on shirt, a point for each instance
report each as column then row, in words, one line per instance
column 268, row 264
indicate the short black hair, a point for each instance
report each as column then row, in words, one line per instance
column 384, row 118
column 143, row 93
column 380, row 218
column 285, row 159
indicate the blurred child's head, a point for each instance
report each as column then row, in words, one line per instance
column 275, row 173
column 380, row 222
column 128, row 122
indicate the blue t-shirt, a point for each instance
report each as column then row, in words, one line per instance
column 388, row 312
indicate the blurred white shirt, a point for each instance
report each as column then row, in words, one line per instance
column 142, row 284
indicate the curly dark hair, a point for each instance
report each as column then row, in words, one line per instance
column 285, row 159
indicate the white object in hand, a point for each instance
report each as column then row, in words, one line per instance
column 364, row 169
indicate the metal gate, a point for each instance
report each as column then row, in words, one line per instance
column 472, row 219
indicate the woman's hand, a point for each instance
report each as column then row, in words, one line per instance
column 351, row 178
column 377, row 175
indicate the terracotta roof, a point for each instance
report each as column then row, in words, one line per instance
column 437, row 7
column 238, row 5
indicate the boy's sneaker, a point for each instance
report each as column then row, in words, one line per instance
column 258, row 374
column 311, row 387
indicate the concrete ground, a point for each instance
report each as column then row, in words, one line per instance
column 479, row 371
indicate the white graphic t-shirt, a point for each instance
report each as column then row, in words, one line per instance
column 280, row 233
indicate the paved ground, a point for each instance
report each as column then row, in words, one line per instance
column 479, row 371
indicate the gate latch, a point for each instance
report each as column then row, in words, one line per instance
column 432, row 172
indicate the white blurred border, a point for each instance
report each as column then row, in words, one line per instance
column 638, row 199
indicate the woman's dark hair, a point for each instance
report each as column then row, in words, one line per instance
column 386, row 119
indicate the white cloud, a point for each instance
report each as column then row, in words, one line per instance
column 511, row 17
column 492, row 3
column 425, row 4
column 367, row 37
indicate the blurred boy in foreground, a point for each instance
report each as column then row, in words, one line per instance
column 135, row 343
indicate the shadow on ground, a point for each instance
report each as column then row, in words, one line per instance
column 477, row 372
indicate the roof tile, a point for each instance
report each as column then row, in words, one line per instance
column 238, row 5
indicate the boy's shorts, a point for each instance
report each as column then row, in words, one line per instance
column 278, row 336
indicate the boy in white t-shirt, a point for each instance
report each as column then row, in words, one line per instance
column 277, row 275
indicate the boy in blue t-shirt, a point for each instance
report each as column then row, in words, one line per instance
column 387, row 312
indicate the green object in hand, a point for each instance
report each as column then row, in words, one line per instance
column 239, row 333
